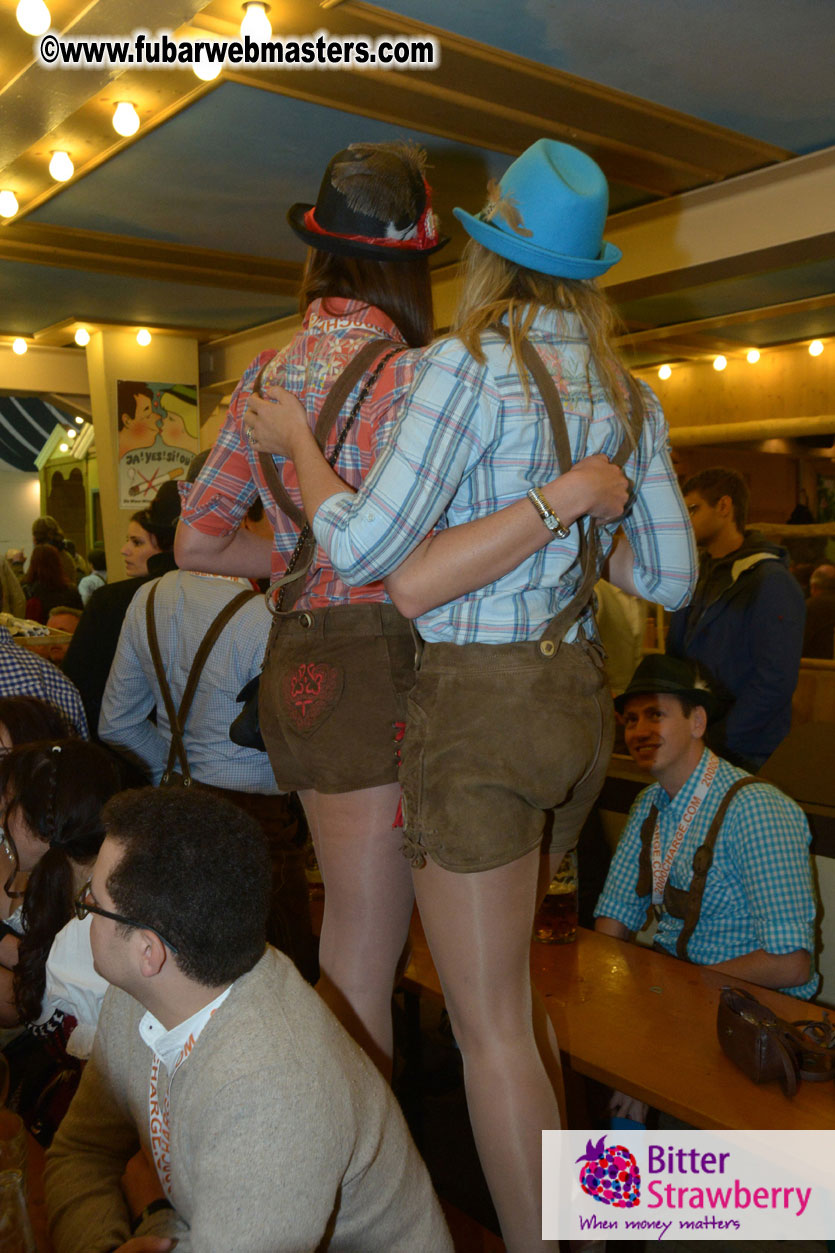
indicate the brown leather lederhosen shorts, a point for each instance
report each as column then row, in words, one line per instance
column 497, row 737
column 332, row 692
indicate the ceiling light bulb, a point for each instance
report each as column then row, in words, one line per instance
column 79, row 420
column 753, row 356
column 63, row 448
column 720, row 362
column 815, row 348
column 664, row 372
column 82, row 337
column 143, row 338
column 205, row 69
column 61, row 167
column 71, row 432
column 255, row 23
column 33, row 16
column 125, row 119
column 19, row 347
column 8, row 204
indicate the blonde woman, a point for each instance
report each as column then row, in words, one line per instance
column 510, row 721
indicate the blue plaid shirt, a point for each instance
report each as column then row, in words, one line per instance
column 23, row 673
column 468, row 444
column 758, row 892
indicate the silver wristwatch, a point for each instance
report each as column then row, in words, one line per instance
column 547, row 514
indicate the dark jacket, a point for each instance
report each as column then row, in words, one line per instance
column 93, row 646
column 42, row 600
column 744, row 627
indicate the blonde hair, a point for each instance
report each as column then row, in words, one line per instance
column 494, row 287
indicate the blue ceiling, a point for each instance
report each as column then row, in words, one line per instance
column 761, row 67
column 222, row 173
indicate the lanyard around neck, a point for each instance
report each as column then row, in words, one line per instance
column 661, row 867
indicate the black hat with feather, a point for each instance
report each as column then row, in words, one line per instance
column 374, row 202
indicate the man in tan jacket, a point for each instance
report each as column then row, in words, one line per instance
column 268, row 1128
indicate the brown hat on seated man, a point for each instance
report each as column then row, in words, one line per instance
column 266, row 1125
column 720, row 856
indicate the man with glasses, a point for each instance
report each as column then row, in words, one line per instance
column 267, row 1126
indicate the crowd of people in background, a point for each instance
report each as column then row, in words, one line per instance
column 467, row 497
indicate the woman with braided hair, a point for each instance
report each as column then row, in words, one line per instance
column 52, row 795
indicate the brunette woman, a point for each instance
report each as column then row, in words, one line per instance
column 148, row 555
column 338, row 665
column 52, row 796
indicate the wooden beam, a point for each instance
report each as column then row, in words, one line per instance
column 493, row 99
column 70, row 248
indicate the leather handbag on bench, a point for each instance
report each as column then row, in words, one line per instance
column 766, row 1047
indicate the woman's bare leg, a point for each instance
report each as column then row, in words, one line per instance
column 479, row 931
column 368, row 906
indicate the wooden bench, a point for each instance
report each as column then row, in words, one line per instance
column 645, row 1023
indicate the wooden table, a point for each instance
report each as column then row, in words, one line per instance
column 646, row 1024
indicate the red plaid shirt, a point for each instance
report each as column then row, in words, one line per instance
column 232, row 477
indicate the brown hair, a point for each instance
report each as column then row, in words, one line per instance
column 402, row 290
column 718, row 481
column 494, row 287
column 45, row 567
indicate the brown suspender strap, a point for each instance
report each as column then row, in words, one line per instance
column 339, row 392
column 588, row 543
column 177, row 718
column 702, row 861
column 678, row 902
column 644, row 885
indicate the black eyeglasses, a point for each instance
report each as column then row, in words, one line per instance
column 83, row 907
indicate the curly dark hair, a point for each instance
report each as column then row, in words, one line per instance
column 196, row 869
column 58, row 789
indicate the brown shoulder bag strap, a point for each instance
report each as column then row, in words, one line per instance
column 702, row 861
column 177, row 718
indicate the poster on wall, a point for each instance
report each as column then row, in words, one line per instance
column 158, row 433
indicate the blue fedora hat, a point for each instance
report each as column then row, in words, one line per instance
column 548, row 213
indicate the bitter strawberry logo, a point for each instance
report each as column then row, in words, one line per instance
column 610, row 1175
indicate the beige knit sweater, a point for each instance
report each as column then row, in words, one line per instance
column 284, row 1137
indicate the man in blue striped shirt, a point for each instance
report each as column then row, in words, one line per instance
column 755, row 917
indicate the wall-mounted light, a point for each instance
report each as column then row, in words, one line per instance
column 125, row 119
column 33, row 16
column 19, row 347
column 61, row 167
column 8, row 204
column 664, row 372
column 815, row 348
column 255, row 22
column 720, row 362
column 82, row 337
column 752, row 356
column 205, row 69
column 143, row 338
column 71, row 432
column 79, row 420
column 63, row 448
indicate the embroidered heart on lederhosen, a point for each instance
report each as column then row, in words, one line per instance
column 309, row 693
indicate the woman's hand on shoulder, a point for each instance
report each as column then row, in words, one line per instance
column 274, row 423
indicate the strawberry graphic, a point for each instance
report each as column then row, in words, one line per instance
column 610, row 1175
